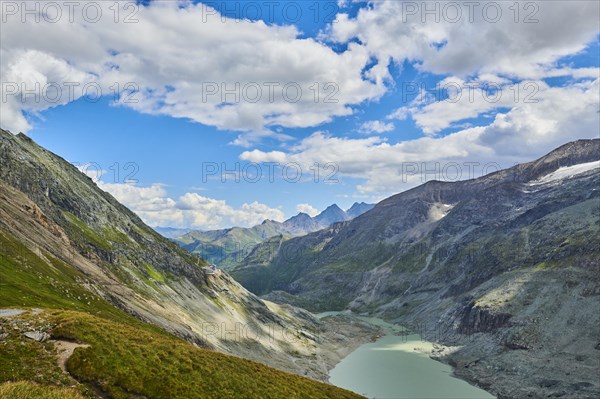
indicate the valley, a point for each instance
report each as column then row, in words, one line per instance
column 499, row 273
column 335, row 199
column 68, row 247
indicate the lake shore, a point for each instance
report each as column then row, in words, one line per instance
column 398, row 361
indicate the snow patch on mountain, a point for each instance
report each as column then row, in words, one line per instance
column 567, row 172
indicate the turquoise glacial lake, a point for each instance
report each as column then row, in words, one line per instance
column 398, row 367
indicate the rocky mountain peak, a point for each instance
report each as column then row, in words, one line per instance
column 332, row 214
column 358, row 208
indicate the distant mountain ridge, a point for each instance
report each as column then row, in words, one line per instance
column 226, row 247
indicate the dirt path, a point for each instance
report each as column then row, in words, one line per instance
column 65, row 350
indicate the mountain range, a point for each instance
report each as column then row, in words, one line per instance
column 502, row 272
column 142, row 317
column 504, row 268
column 226, row 248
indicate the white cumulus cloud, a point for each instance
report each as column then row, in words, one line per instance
column 467, row 38
column 187, row 61
column 190, row 210
column 520, row 134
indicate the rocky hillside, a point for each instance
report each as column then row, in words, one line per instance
column 506, row 265
column 66, row 244
column 227, row 248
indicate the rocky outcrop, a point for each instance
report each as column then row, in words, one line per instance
column 475, row 319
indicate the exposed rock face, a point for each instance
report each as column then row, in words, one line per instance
column 506, row 266
column 475, row 319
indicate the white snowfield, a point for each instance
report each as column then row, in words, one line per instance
column 566, row 172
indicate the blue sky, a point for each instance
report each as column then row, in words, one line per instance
column 378, row 127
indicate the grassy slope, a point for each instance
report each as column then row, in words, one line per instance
column 127, row 358
column 28, row 390
column 126, row 361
